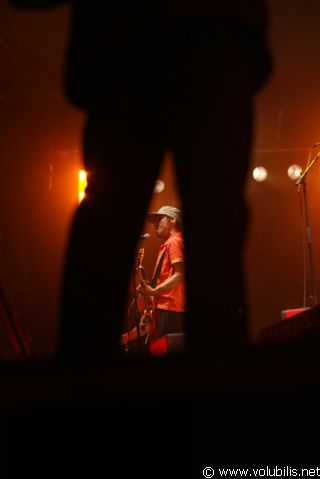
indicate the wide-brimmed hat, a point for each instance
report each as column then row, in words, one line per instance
column 170, row 211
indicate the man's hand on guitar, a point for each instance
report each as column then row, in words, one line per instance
column 145, row 289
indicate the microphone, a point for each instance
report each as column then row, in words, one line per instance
column 145, row 236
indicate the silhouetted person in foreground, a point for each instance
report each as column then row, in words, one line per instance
column 156, row 76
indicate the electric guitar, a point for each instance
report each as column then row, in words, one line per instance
column 147, row 323
column 142, row 306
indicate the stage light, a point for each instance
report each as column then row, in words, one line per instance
column 294, row 171
column 82, row 184
column 260, row 173
column 159, row 186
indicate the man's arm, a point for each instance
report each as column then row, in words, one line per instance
column 167, row 285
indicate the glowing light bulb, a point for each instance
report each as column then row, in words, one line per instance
column 260, row 174
column 159, row 186
column 294, row 171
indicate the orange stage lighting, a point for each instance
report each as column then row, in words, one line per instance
column 82, row 184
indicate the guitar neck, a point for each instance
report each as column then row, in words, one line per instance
column 142, row 273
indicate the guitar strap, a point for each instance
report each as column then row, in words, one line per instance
column 157, row 272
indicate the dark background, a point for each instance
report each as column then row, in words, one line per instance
column 40, row 154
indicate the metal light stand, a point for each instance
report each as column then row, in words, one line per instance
column 301, row 183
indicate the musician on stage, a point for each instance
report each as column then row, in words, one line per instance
column 168, row 293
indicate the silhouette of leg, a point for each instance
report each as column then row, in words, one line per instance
column 212, row 153
column 123, row 160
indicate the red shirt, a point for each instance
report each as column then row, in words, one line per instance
column 173, row 300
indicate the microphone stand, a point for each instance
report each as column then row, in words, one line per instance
column 301, row 182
